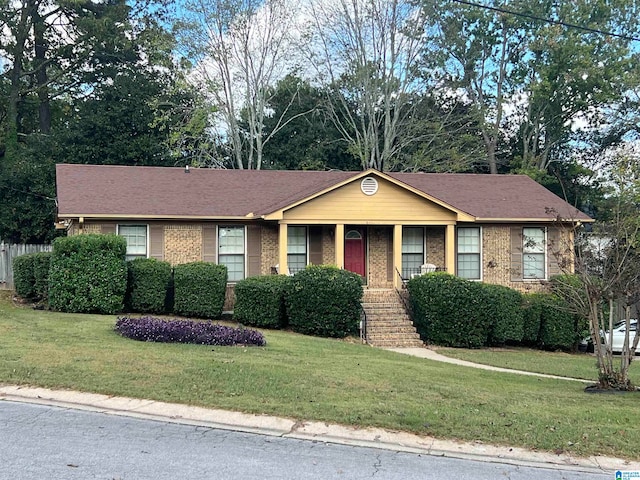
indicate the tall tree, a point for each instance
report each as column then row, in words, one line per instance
column 575, row 78
column 368, row 51
column 536, row 78
column 54, row 47
column 479, row 52
column 240, row 48
column 310, row 140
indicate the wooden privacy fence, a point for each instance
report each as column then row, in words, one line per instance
column 8, row 252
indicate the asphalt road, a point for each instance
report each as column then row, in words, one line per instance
column 44, row 442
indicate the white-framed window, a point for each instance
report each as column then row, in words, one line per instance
column 137, row 240
column 534, row 241
column 412, row 250
column 296, row 248
column 231, row 251
column 469, row 252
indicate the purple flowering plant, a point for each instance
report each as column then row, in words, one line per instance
column 151, row 329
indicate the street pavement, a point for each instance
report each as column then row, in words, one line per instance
column 41, row 441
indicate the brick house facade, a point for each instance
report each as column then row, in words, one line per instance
column 387, row 227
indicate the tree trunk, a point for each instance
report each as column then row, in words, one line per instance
column 40, row 50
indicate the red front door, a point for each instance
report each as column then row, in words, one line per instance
column 354, row 252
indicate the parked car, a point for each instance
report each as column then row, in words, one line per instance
column 619, row 329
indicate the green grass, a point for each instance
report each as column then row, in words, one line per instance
column 317, row 379
column 574, row 365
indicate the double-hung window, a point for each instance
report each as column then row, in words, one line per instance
column 412, row 250
column 136, row 237
column 469, row 251
column 534, row 253
column 231, row 251
column 296, row 248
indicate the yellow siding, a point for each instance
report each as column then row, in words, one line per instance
column 391, row 204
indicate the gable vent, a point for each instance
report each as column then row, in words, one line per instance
column 369, row 185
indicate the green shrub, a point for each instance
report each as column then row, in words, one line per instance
column 260, row 301
column 448, row 310
column 324, row 301
column 559, row 329
column 88, row 273
column 532, row 306
column 41, row 265
column 503, row 304
column 148, row 285
column 24, row 280
column 199, row 289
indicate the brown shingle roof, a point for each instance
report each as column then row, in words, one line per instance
column 86, row 190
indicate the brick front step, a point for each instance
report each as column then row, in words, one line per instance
column 388, row 324
column 394, row 342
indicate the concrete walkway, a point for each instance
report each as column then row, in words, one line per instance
column 433, row 355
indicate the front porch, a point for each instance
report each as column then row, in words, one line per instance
column 384, row 255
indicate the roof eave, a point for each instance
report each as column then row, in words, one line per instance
column 111, row 216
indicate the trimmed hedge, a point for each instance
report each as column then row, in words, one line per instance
column 532, row 306
column 260, row 301
column 149, row 329
column 24, row 280
column 504, row 305
column 88, row 273
column 199, row 289
column 324, row 301
column 41, row 265
column 148, row 285
column 449, row 311
column 560, row 329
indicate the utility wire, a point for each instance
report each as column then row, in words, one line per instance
column 549, row 20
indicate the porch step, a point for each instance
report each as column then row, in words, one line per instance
column 388, row 324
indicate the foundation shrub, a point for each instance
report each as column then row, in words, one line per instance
column 199, row 289
column 324, row 301
column 448, row 310
column 559, row 328
column 41, row 265
column 504, row 306
column 532, row 306
column 150, row 329
column 148, row 285
column 88, row 274
column 24, row 281
column 260, row 301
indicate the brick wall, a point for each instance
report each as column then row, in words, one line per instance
column 269, row 249
column 435, row 246
column 87, row 228
column 496, row 260
column 328, row 245
column 182, row 243
column 378, row 256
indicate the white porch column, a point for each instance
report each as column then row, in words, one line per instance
column 397, row 255
column 450, row 249
column 282, row 249
column 339, row 244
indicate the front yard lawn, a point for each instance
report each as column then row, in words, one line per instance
column 574, row 365
column 317, row 379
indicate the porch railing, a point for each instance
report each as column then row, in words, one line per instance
column 403, row 294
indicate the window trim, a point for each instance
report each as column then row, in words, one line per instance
column 244, row 249
column 544, row 253
column 424, row 246
column 480, row 253
column 306, row 245
column 146, row 226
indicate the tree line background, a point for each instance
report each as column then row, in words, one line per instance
column 549, row 89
